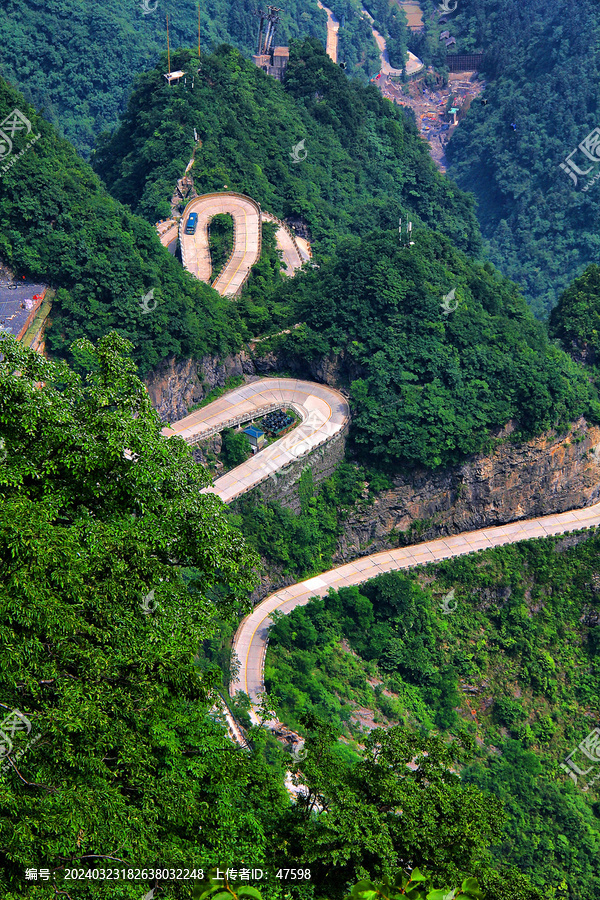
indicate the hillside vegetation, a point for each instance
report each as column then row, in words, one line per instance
column 543, row 60
column 430, row 386
column 364, row 164
column 514, row 662
column 59, row 225
column 115, row 570
column 77, row 64
column 575, row 320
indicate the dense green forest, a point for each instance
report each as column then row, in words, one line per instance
column 575, row 320
column 514, row 663
column 429, row 386
column 543, row 62
column 114, row 571
column 425, row 387
column 365, row 163
column 59, row 225
column 77, row 64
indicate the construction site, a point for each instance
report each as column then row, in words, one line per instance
column 437, row 111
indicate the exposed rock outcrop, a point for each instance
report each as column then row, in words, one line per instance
column 548, row 474
column 177, row 385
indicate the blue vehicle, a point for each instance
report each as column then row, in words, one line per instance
column 190, row 225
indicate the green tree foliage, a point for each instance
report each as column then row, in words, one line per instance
column 365, row 163
column 520, row 642
column 235, row 448
column 388, row 623
column 544, row 64
column 58, row 225
column 400, row 806
column 576, row 318
column 76, row 59
column 220, row 242
column 100, row 517
column 428, row 386
column 301, row 544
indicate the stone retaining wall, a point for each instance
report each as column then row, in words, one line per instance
column 322, row 461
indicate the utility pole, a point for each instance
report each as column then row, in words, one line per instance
column 168, row 47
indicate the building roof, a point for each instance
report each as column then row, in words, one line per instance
column 174, row 76
column 281, row 51
column 254, row 432
column 17, row 303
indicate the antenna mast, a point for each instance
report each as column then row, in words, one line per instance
column 168, row 46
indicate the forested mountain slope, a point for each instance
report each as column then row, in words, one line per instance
column 59, row 225
column 129, row 768
column 76, row 64
column 429, row 386
column 503, row 645
column 365, row 164
column 544, row 62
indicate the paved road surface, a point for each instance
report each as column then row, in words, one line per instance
column 324, row 411
column 287, row 243
column 168, row 235
column 333, row 26
column 247, row 220
column 250, row 642
column 247, row 239
column 413, row 65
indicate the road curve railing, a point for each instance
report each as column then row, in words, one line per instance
column 324, row 412
column 251, row 639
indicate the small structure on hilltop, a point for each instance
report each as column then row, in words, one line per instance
column 444, row 35
column 272, row 60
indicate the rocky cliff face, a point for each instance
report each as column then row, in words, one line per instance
column 549, row 474
column 175, row 386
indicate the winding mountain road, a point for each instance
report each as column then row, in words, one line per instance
column 195, row 251
column 324, row 412
column 247, row 238
column 251, row 639
column 413, row 64
column 333, row 26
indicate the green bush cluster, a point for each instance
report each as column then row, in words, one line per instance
column 541, row 229
column 521, row 640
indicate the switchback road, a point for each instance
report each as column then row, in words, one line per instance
column 250, row 642
column 247, row 232
column 324, row 412
column 195, row 251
